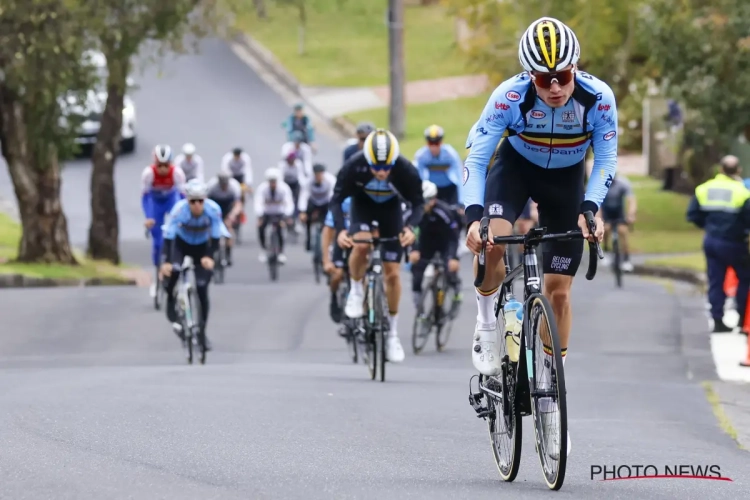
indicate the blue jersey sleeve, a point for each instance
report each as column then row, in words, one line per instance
column 329, row 220
column 456, row 171
column 176, row 215
column 218, row 230
column 147, row 205
column 604, row 143
column 493, row 122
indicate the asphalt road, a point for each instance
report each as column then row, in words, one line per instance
column 97, row 401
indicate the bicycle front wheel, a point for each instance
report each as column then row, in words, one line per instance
column 548, row 397
column 382, row 328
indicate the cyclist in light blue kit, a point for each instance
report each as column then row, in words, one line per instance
column 195, row 228
column 440, row 164
column 551, row 113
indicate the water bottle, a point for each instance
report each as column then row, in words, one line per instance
column 513, row 315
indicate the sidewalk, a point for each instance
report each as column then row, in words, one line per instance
column 338, row 101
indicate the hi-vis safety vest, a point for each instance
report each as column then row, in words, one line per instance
column 722, row 194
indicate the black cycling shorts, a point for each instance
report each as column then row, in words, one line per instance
column 558, row 192
column 389, row 218
column 613, row 214
column 448, row 194
column 337, row 256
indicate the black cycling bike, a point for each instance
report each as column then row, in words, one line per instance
column 616, row 253
column 316, row 229
column 220, row 259
column 530, row 385
column 373, row 329
column 432, row 313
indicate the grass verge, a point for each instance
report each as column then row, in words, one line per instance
column 692, row 261
column 721, row 417
column 10, row 234
column 346, row 41
column 661, row 226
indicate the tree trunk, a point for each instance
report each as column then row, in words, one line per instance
column 36, row 181
column 104, row 231
column 260, row 8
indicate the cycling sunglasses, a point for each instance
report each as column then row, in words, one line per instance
column 545, row 80
column 195, row 202
column 380, row 168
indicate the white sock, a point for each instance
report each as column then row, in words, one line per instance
column 393, row 321
column 486, row 307
column 356, row 286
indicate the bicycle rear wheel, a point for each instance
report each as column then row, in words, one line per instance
column 423, row 322
column 548, row 397
column 505, row 422
column 273, row 258
column 617, row 261
column 317, row 254
column 157, row 292
column 383, row 327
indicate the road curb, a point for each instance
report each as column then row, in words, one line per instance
column 266, row 58
column 673, row 273
column 21, row 281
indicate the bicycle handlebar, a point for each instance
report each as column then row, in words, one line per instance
column 533, row 238
column 375, row 240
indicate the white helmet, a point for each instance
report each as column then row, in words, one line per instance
column 429, row 190
column 196, row 190
column 188, row 149
column 273, row 174
column 548, row 46
column 162, row 153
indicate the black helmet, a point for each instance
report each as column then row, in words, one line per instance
column 319, row 167
column 237, row 151
column 364, row 128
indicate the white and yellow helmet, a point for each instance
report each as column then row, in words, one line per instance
column 548, row 46
column 381, row 148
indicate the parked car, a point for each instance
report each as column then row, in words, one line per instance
column 91, row 110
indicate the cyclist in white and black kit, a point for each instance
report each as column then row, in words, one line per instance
column 315, row 194
column 227, row 193
column 190, row 163
column 301, row 149
column 238, row 163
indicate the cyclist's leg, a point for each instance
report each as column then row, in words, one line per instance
column 156, row 235
column 417, row 273
column 337, row 258
column 390, row 224
column 202, row 280
column 362, row 213
column 308, row 224
column 506, row 194
column 280, row 233
column 262, row 237
column 560, row 193
column 176, row 259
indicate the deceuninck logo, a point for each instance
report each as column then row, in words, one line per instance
column 649, row 471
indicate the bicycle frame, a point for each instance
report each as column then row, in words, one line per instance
column 532, row 286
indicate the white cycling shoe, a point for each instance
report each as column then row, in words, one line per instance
column 354, row 307
column 393, row 350
column 485, row 352
column 282, row 258
column 551, row 433
column 262, row 257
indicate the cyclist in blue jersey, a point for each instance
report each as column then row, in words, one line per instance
column 551, row 113
column 195, row 228
column 363, row 130
column 440, row 164
column 161, row 183
column 334, row 260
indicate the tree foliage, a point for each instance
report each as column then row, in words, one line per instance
column 123, row 28
column 703, row 51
